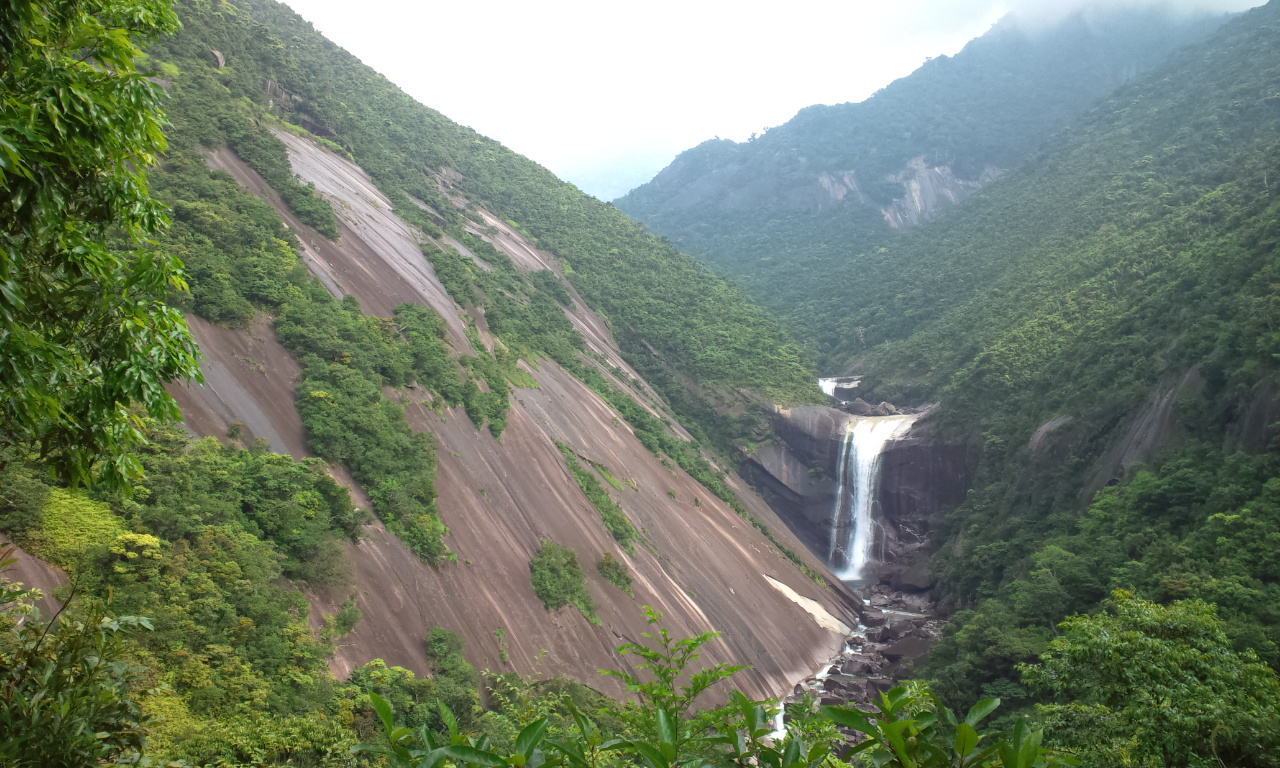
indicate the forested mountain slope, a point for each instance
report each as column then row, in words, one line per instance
column 524, row 392
column 777, row 212
column 1106, row 315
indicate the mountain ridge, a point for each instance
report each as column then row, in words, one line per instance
column 845, row 175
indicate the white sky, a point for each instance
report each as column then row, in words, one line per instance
column 605, row 93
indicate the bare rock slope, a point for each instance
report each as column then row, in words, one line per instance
column 699, row 563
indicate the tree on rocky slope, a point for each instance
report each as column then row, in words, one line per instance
column 85, row 334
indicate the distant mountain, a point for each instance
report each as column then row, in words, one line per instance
column 834, row 177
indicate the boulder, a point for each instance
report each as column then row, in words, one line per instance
column 907, row 648
column 881, row 684
column 913, row 578
column 856, row 667
column 877, row 619
column 860, row 407
column 841, row 682
column 893, row 630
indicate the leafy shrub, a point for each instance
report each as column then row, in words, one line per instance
column 65, row 688
column 558, row 579
column 614, row 572
column 615, row 521
column 22, row 501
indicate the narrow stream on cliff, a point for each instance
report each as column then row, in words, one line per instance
column 853, row 511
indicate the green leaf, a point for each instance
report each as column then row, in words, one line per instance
column 383, row 709
column 966, row 740
column 848, row 718
column 463, row 753
column 978, row 712
column 530, row 737
column 666, row 729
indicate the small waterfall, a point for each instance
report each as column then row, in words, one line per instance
column 852, row 520
column 828, row 386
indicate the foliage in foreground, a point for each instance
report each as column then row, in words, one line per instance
column 84, row 329
column 1158, row 685
column 65, row 688
column 910, row 729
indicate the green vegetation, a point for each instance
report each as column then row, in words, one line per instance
column 343, row 621
column 615, row 520
column 558, row 580
column 1134, row 254
column 657, row 300
column 909, row 730
column 200, row 549
column 242, row 259
column 615, row 572
column 453, row 685
column 62, row 688
column 1176, row 678
column 1128, row 269
column 86, row 340
column 74, row 528
column 792, row 214
column 1154, row 681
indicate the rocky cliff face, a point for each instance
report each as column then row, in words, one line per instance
column 927, row 190
column 700, row 563
column 921, row 478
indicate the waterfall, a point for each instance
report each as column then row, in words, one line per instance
column 852, row 519
column 828, row 386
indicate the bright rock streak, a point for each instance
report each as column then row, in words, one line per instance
column 860, row 454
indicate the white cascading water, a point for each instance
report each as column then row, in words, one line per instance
column 828, row 386
column 859, row 475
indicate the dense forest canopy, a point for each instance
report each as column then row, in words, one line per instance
column 785, row 213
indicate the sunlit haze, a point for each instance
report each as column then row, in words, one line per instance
column 606, row 94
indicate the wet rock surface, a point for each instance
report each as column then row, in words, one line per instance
column 896, row 633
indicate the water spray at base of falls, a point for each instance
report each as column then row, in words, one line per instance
column 857, row 483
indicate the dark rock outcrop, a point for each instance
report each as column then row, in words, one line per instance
column 796, row 473
column 921, row 477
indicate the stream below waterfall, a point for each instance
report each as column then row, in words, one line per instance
column 896, row 630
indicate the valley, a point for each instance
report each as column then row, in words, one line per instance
column 960, row 399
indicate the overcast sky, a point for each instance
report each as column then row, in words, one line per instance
column 606, row 93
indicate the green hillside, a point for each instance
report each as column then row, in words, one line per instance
column 655, row 297
column 1112, row 298
column 1132, row 259
column 762, row 213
